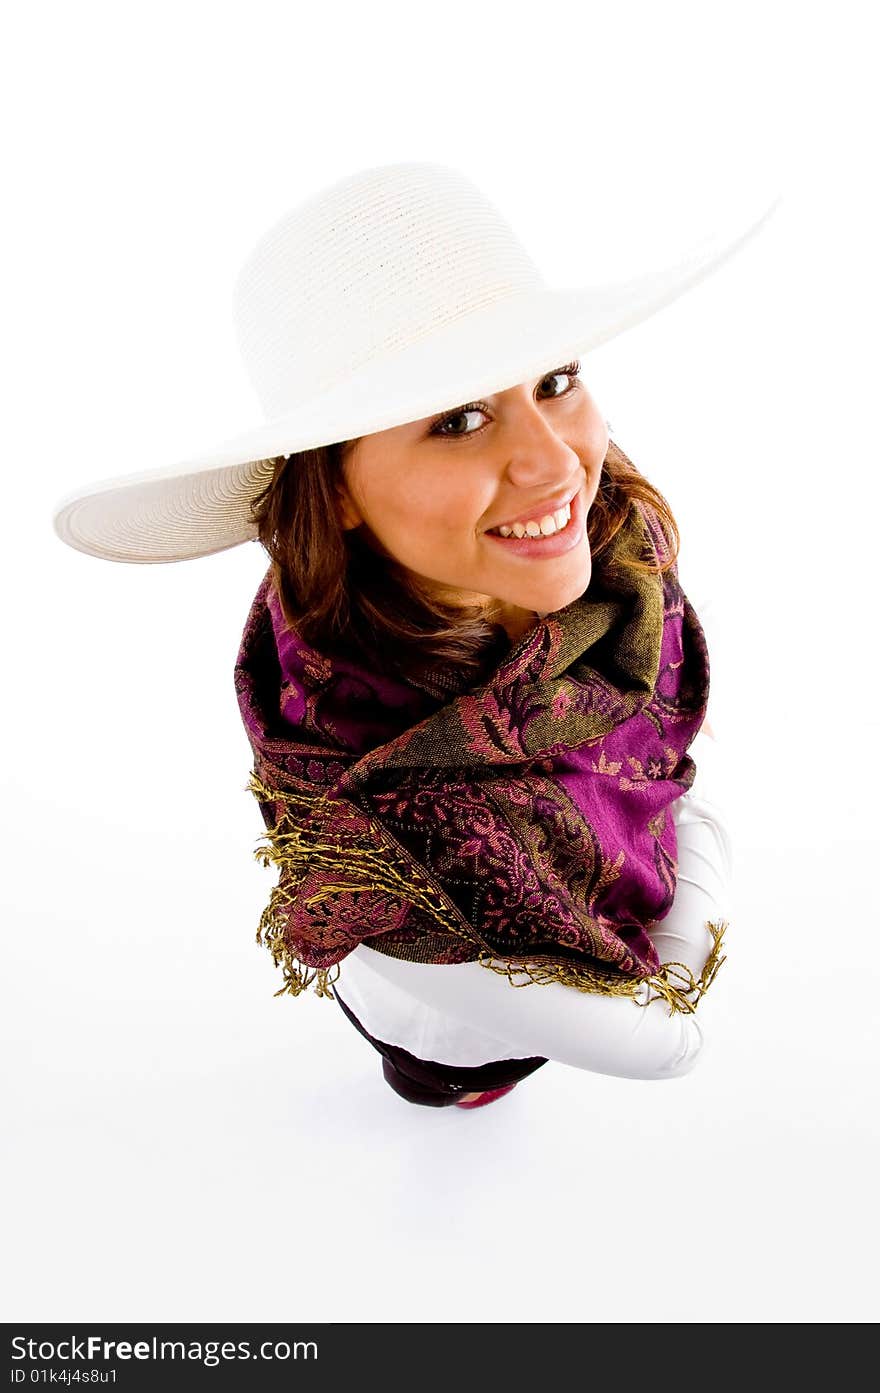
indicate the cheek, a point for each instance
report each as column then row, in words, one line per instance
column 591, row 454
column 436, row 517
column 592, row 440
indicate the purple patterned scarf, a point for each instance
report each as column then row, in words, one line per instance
column 524, row 822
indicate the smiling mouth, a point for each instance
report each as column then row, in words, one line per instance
column 557, row 518
column 535, row 527
column 534, row 545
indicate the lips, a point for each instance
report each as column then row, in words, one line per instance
column 545, row 548
column 539, row 510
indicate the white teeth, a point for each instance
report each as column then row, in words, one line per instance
column 544, row 527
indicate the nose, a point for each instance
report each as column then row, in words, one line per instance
column 538, row 455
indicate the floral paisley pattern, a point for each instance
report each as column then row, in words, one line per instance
column 524, row 818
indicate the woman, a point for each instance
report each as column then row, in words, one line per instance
column 536, row 452
column 470, row 677
column 404, row 525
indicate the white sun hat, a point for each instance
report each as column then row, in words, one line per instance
column 397, row 292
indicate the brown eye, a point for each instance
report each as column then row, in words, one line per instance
column 457, row 416
column 570, row 373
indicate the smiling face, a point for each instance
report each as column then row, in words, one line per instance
column 431, row 491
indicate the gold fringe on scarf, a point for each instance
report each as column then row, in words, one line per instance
column 366, row 867
column 373, row 868
column 674, row 982
column 298, row 976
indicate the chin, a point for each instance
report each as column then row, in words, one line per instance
column 559, row 596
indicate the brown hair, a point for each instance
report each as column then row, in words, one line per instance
column 342, row 592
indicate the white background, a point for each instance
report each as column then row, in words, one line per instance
column 179, row 1145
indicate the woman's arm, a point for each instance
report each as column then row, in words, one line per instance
column 607, row 1035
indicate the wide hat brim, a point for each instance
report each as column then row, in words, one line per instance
column 200, row 505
